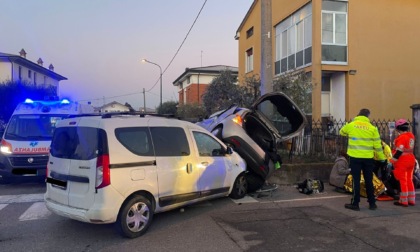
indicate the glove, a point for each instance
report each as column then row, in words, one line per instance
column 389, row 167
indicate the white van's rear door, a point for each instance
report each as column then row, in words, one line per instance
column 57, row 191
column 74, row 152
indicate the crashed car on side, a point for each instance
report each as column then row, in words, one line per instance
column 256, row 133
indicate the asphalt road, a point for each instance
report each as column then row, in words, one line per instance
column 284, row 221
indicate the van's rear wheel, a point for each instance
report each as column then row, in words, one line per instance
column 240, row 187
column 135, row 217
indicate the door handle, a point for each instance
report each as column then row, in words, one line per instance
column 189, row 168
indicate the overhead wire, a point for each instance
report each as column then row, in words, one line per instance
column 169, row 64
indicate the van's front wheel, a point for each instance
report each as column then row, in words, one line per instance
column 135, row 217
column 240, row 187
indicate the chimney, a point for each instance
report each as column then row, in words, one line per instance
column 51, row 67
column 40, row 62
column 22, row 53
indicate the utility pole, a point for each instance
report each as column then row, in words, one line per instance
column 144, row 99
column 266, row 71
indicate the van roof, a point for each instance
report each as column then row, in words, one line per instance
column 52, row 107
column 126, row 119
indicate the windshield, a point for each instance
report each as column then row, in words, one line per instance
column 32, row 127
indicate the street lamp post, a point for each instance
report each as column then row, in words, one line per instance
column 160, row 78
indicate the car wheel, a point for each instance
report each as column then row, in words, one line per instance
column 217, row 132
column 135, row 217
column 240, row 187
column 255, row 182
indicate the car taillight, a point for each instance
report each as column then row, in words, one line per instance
column 235, row 142
column 238, row 119
column 103, row 175
column 5, row 147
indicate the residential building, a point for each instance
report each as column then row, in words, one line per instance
column 17, row 68
column 113, row 107
column 192, row 84
column 358, row 53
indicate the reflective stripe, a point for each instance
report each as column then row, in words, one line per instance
column 365, row 138
column 359, row 147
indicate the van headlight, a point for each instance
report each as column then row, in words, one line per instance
column 5, row 147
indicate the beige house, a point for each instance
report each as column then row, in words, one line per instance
column 17, row 68
column 113, row 107
column 193, row 83
column 359, row 53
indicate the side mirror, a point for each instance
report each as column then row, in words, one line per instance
column 229, row 150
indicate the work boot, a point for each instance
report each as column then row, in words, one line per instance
column 352, row 207
column 400, row 204
column 373, row 206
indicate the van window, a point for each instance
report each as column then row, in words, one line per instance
column 32, row 127
column 170, row 141
column 136, row 139
column 81, row 143
column 208, row 146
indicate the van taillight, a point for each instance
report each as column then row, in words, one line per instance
column 103, row 174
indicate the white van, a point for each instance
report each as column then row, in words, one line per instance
column 25, row 143
column 125, row 168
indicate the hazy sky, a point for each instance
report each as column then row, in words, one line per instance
column 98, row 44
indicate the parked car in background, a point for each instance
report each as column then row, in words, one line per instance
column 256, row 133
column 122, row 169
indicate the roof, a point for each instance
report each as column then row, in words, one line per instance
column 113, row 103
column 205, row 70
column 245, row 18
column 31, row 65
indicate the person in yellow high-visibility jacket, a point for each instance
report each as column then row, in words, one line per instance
column 363, row 142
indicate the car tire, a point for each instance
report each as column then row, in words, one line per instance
column 255, row 182
column 135, row 217
column 240, row 187
column 217, row 132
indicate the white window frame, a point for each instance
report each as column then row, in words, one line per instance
column 286, row 47
column 334, row 42
column 249, row 60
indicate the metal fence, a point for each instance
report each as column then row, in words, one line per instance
column 321, row 141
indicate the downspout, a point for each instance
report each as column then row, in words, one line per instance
column 11, row 62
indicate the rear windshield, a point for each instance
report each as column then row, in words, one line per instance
column 81, row 143
column 32, row 127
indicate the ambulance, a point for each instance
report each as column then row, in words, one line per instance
column 25, row 143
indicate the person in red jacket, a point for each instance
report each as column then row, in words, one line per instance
column 403, row 161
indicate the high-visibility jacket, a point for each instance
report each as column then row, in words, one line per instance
column 363, row 139
column 405, row 144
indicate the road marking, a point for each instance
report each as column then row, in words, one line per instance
column 36, row 211
column 246, row 199
column 21, row 198
column 3, row 206
column 316, row 198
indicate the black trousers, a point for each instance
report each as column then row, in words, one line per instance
column 365, row 165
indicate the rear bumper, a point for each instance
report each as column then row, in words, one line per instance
column 255, row 159
column 101, row 211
